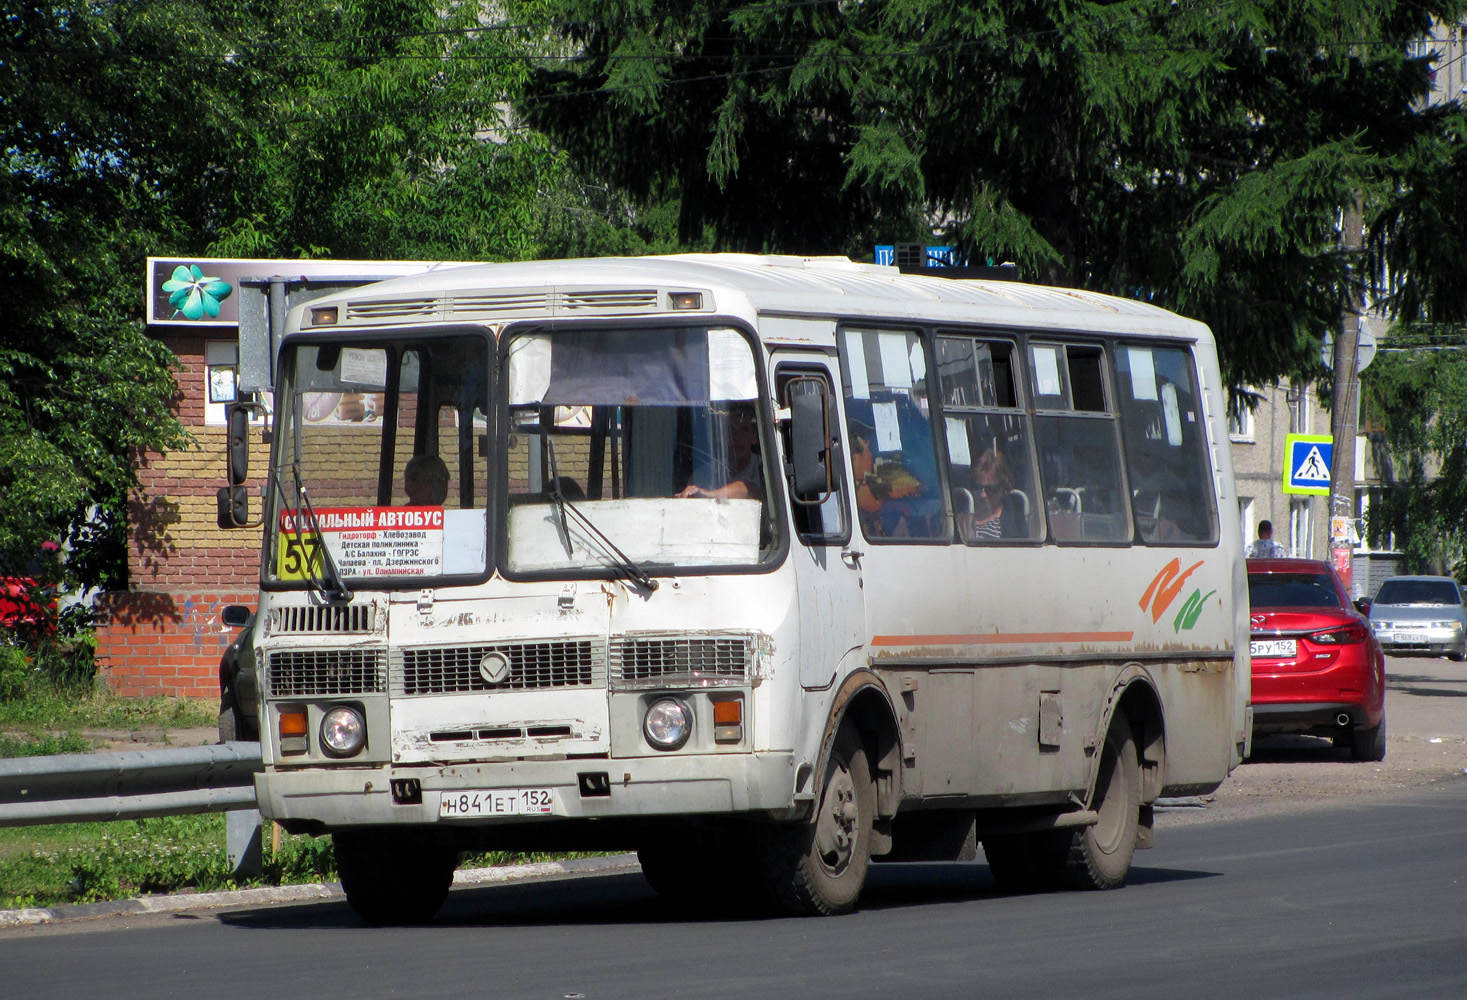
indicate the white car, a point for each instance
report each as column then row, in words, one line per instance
column 1422, row 615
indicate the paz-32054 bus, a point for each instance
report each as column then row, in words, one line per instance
column 762, row 567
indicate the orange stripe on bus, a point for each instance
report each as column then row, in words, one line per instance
column 994, row 638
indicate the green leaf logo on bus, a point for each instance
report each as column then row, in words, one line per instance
column 1164, row 589
column 193, row 294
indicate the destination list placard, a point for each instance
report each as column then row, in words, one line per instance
column 363, row 542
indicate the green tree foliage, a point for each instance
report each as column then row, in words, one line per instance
column 347, row 128
column 1414, row 399
column 1196, row 154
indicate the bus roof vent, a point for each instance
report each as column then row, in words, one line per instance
column 491, row 303
column 626, row 300
column 384, row 310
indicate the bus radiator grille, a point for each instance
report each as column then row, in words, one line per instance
column 298, row 673
column 662, row 659
column 575, row 663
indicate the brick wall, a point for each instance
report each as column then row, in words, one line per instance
column 163, row 635
column 163, row 644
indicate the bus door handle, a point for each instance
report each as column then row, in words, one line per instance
column 851, row 558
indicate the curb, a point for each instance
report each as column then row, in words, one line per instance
column 182, row 902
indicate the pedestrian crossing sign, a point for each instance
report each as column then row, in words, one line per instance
column 1307, row 463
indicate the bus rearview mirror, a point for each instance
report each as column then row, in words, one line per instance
column 810, row 439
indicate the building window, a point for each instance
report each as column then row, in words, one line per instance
column 1240, row 426
column 1301, row 535
column 221, row 378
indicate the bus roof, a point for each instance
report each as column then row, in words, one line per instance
column 740, row 284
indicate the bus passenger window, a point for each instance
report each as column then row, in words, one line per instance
column 1079, row 453
column 893, row 452
column 1166, row 447
column 990, row 464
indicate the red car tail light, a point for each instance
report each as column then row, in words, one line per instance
column 1345, row 635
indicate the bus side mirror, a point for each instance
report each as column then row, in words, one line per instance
column 233, row 500
column 811, row 444
column 237, row 448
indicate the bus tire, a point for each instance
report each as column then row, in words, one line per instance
column 818, row 868
column 394, row 878
column 1100, row 855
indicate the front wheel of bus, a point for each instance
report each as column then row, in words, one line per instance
column 394, row 877
column 819, row 868
column 1100, row 855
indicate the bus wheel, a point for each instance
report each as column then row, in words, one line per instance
column 1100, row 855
column 394, row 877
column 818, row 868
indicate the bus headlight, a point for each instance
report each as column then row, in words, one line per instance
column 343, row 732
column 667, row 724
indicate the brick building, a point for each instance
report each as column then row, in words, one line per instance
column 163, row 635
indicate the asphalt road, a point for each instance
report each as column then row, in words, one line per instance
column 1360, row 897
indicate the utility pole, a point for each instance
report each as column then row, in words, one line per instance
column 1344, row 403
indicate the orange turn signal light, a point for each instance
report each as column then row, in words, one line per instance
column 728, row 713
column 293, row 723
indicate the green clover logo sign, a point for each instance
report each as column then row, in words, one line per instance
column 194, row 295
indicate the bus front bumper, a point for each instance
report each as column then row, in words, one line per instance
column 515, row 792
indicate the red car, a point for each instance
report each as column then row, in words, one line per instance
column 1317, row 667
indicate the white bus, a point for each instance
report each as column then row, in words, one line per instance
column 763, row 567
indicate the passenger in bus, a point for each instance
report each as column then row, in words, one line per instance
column 742, row 477
column 992, row 484
column 426, row 481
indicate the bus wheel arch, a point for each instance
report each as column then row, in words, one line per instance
column 863, row 705
column 1135, row 703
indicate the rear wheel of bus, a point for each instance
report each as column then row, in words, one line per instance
column 394, row 877
column 1089, row 857
column 819, row 868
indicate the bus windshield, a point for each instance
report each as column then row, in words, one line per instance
column 381, row 457
column 634, row 445
column 621, row 452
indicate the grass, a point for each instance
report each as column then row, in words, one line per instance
column 94, row 862
column 46, row 707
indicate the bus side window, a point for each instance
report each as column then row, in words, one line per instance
column 891, row 439
column 1166, row 450
column 1079, row 454
column 990, row 468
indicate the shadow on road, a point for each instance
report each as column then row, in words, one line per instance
column 1424, row 687
column 627, row 899
column 1292, row 749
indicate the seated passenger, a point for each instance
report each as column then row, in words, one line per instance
column 426, row 481
column 991, row 486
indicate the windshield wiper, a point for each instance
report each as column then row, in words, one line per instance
column 620, row 561
column 333, row 585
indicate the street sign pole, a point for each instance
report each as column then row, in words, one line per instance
column 1344, row 399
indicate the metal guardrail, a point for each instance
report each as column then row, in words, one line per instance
column 132, row 784
column 129, row 784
